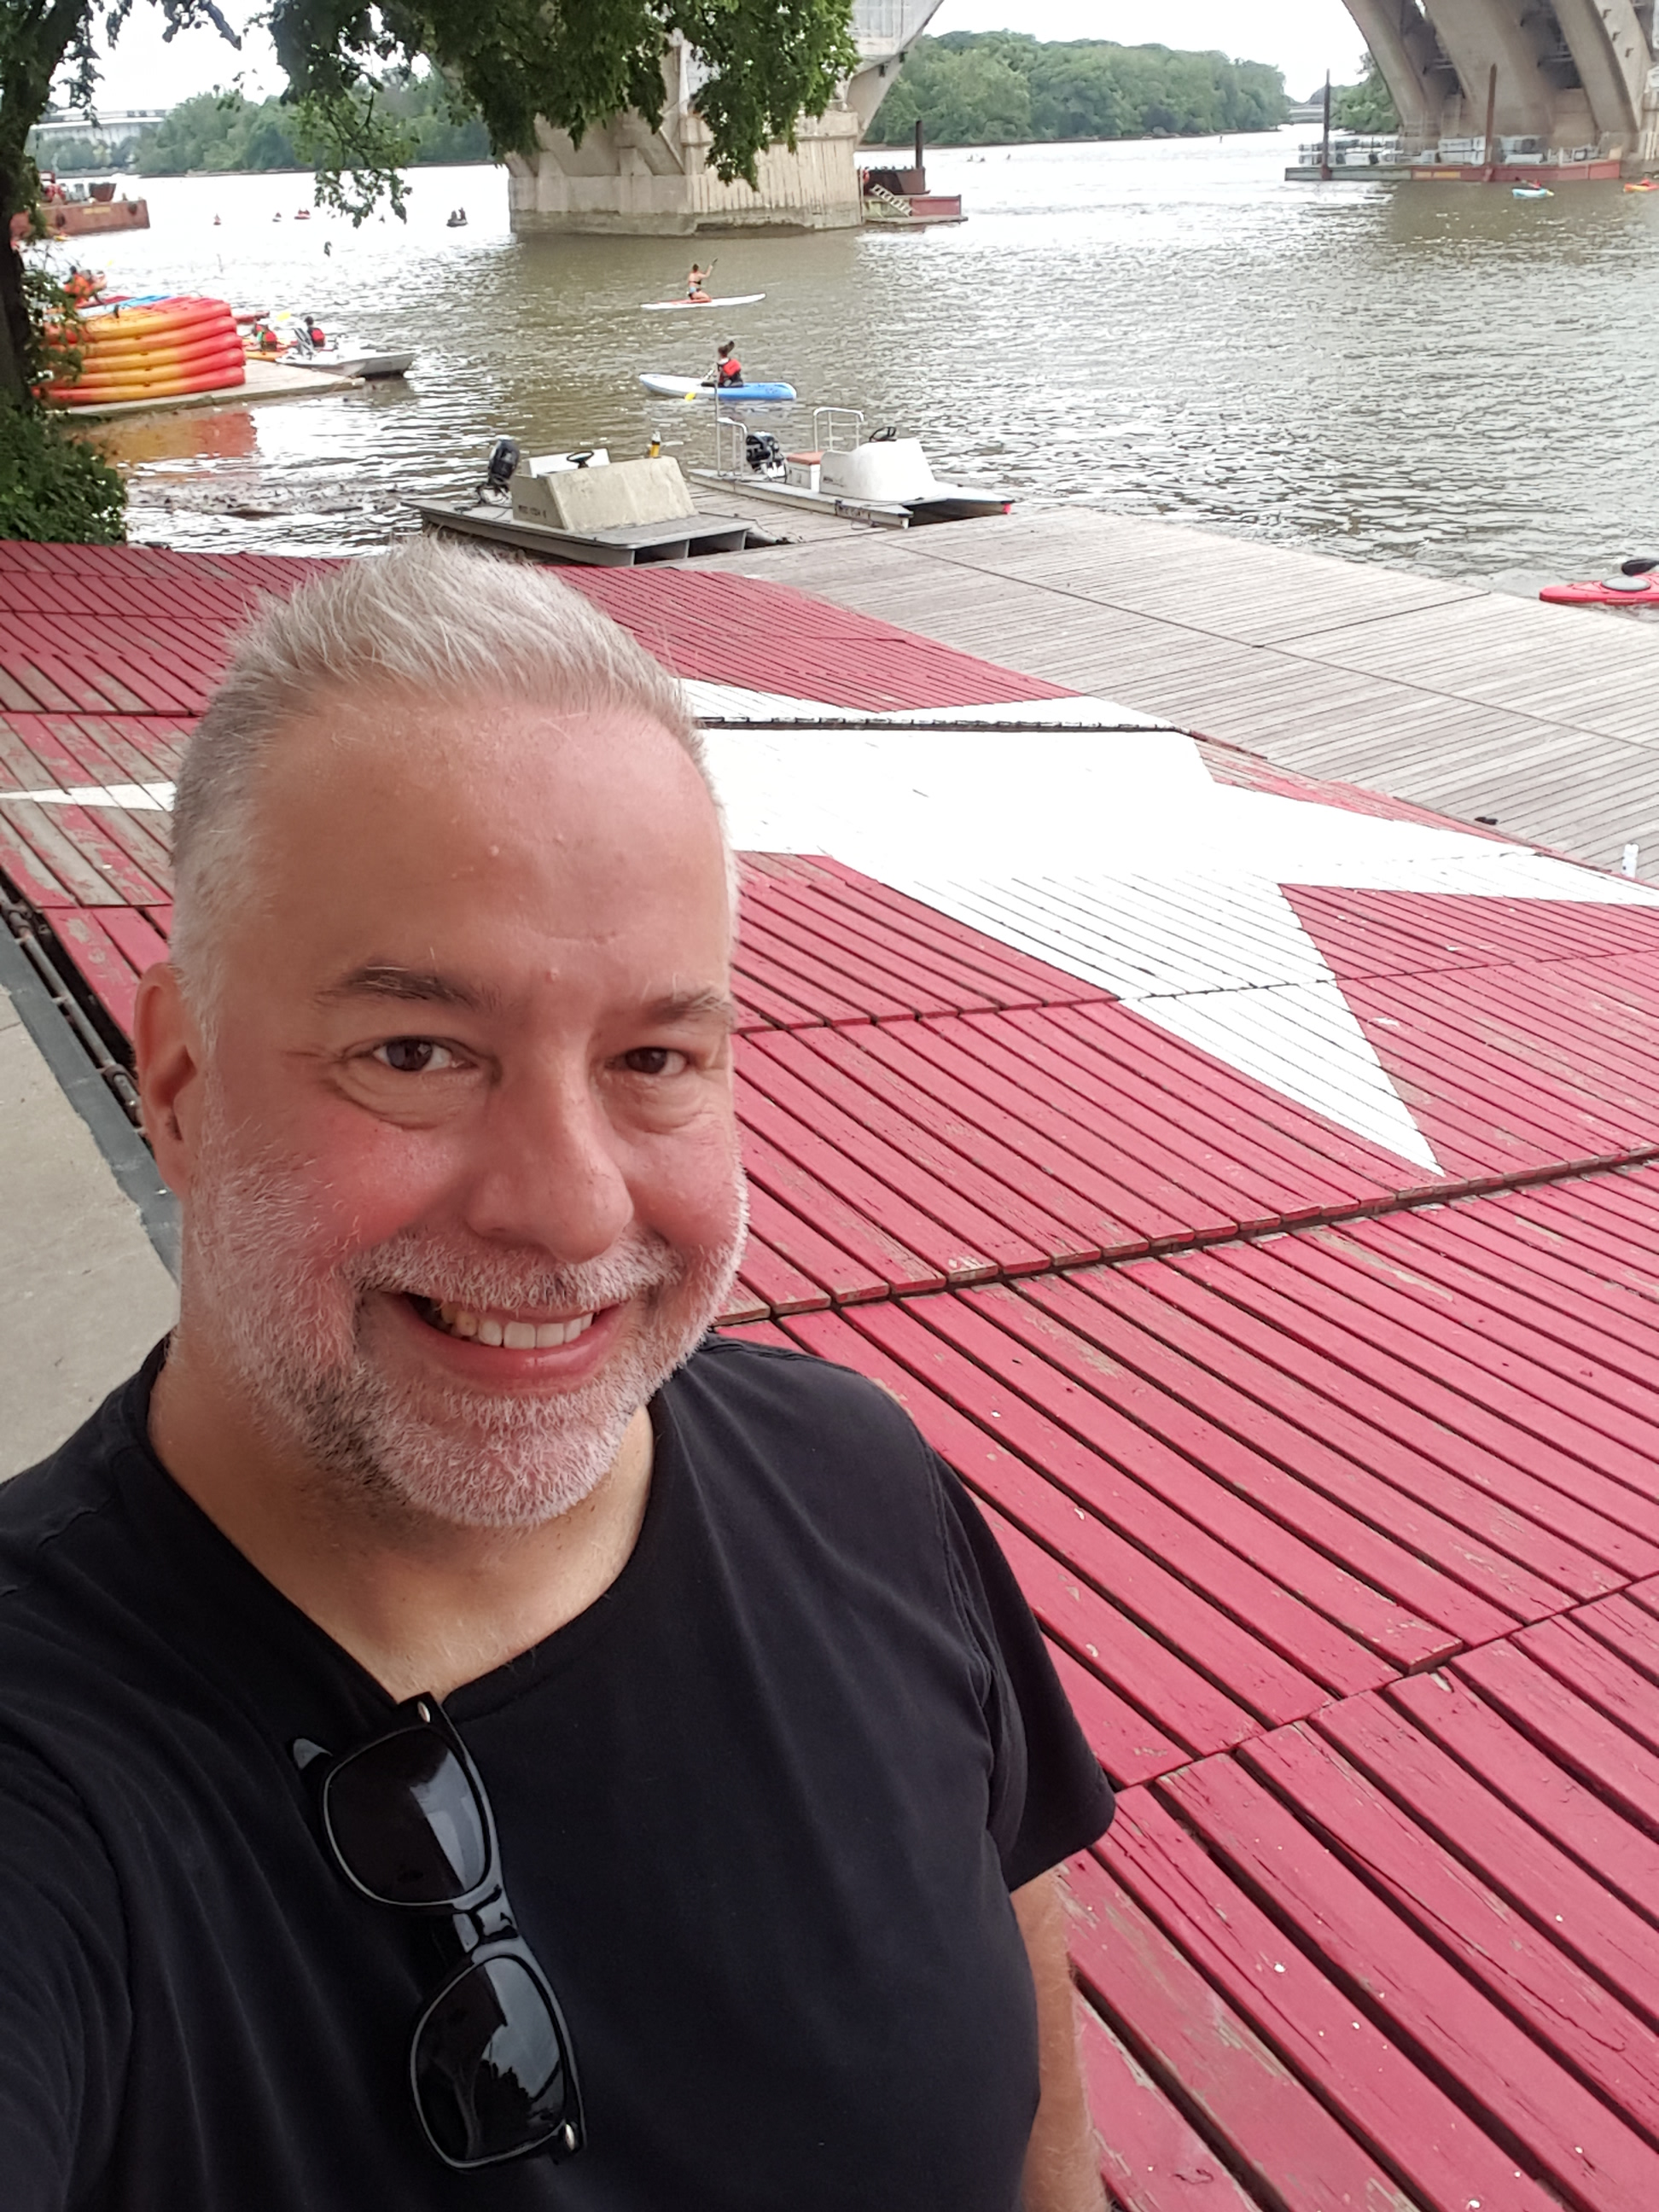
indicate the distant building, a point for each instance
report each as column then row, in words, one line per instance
column 109, row 135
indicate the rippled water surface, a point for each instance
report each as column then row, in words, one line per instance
column 1428, row 375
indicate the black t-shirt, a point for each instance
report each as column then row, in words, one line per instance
column 760, row 1809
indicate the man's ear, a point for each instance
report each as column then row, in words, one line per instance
column 171, row 1064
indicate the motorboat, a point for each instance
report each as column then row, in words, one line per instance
column 345, row 361
column 585, row 509
column 882, row 479
column 297, row 344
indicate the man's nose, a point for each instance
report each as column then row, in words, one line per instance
column 549, row 1171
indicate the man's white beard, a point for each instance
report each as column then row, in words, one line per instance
column 288, row 1315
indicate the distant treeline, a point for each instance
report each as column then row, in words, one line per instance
column 1001, row 88
column 1367, row 106
column 78, row 155
column 220, row 131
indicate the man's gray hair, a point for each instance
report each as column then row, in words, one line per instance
column 425, row 618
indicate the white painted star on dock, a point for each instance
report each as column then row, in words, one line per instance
column 137, row 798
column 1108, row 849
column 1100, row 843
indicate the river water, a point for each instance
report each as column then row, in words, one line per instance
column 1427, row 375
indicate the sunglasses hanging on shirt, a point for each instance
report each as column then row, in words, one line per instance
column 406, row 1820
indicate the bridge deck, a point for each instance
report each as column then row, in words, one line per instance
column 1473, row 702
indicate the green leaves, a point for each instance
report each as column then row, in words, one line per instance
column 54, row 488
column 999, row 88
column 771, row 61
column 574, row 63
column 1368, row 106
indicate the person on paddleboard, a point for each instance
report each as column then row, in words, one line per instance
column 728, row 369
column 694, row 285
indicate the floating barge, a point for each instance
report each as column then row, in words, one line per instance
column 898, row 199
column 1356, row 160
column 262, row 380
column 88, row 217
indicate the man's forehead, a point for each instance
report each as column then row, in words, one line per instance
column 358, row 768
column 432, row 984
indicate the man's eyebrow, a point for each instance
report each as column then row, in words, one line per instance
column 385, row 979
column 695, row 1006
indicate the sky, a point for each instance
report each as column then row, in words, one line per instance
column 1304, row 37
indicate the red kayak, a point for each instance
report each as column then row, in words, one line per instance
column 1616, row 591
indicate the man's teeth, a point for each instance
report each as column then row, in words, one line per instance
column 515, row 1335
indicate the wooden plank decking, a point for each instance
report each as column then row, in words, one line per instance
column 1328, row 1469
column 1469, row 702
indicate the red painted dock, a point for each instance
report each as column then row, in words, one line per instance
column 1276, row 1256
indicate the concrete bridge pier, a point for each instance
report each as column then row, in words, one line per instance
column 1569, row 73
column 627, row 177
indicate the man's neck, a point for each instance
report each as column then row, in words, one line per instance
column 421, row 1604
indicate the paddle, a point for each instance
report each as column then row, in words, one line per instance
column 1637, row 567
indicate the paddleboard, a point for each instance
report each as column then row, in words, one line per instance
column 673, row 307
column 687, row 387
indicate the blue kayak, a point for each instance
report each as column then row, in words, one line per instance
column 687, row 387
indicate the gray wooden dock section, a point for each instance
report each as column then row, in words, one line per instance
column 1471, row 701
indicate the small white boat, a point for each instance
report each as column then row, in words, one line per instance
column 886, row 480
column 673, row 307
column 340, row 356
column 341, row 361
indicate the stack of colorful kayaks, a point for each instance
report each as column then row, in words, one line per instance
column 161, row 349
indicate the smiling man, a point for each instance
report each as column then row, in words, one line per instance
column 468, row 1737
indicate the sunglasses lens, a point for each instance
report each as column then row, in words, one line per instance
column 489, row 2066
column 406, row 1821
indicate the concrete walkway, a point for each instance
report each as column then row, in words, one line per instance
column 83, row 1293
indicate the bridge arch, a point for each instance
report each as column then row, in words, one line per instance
column 1568, row 70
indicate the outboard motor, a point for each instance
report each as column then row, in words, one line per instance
column 763, row 454
column 503, row 462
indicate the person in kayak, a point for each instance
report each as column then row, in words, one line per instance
column 694, row 285
column 728, row 369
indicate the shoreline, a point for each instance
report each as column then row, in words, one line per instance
column 938, row 146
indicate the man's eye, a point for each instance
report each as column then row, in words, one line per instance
column 653, row 1059
column 414, row 1056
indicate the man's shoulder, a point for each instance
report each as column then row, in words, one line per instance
column 816, row 1431
column 796, row 1392
column 68, row 1490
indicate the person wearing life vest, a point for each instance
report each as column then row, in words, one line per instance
column 728, row 369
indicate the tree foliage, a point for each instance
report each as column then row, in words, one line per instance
column 999, row 88
column 217, row 133
column 1368, row 106
column 54, row 488
column 576, row 62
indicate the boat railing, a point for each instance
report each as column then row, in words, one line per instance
column 837, row 429
column 731, row 446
